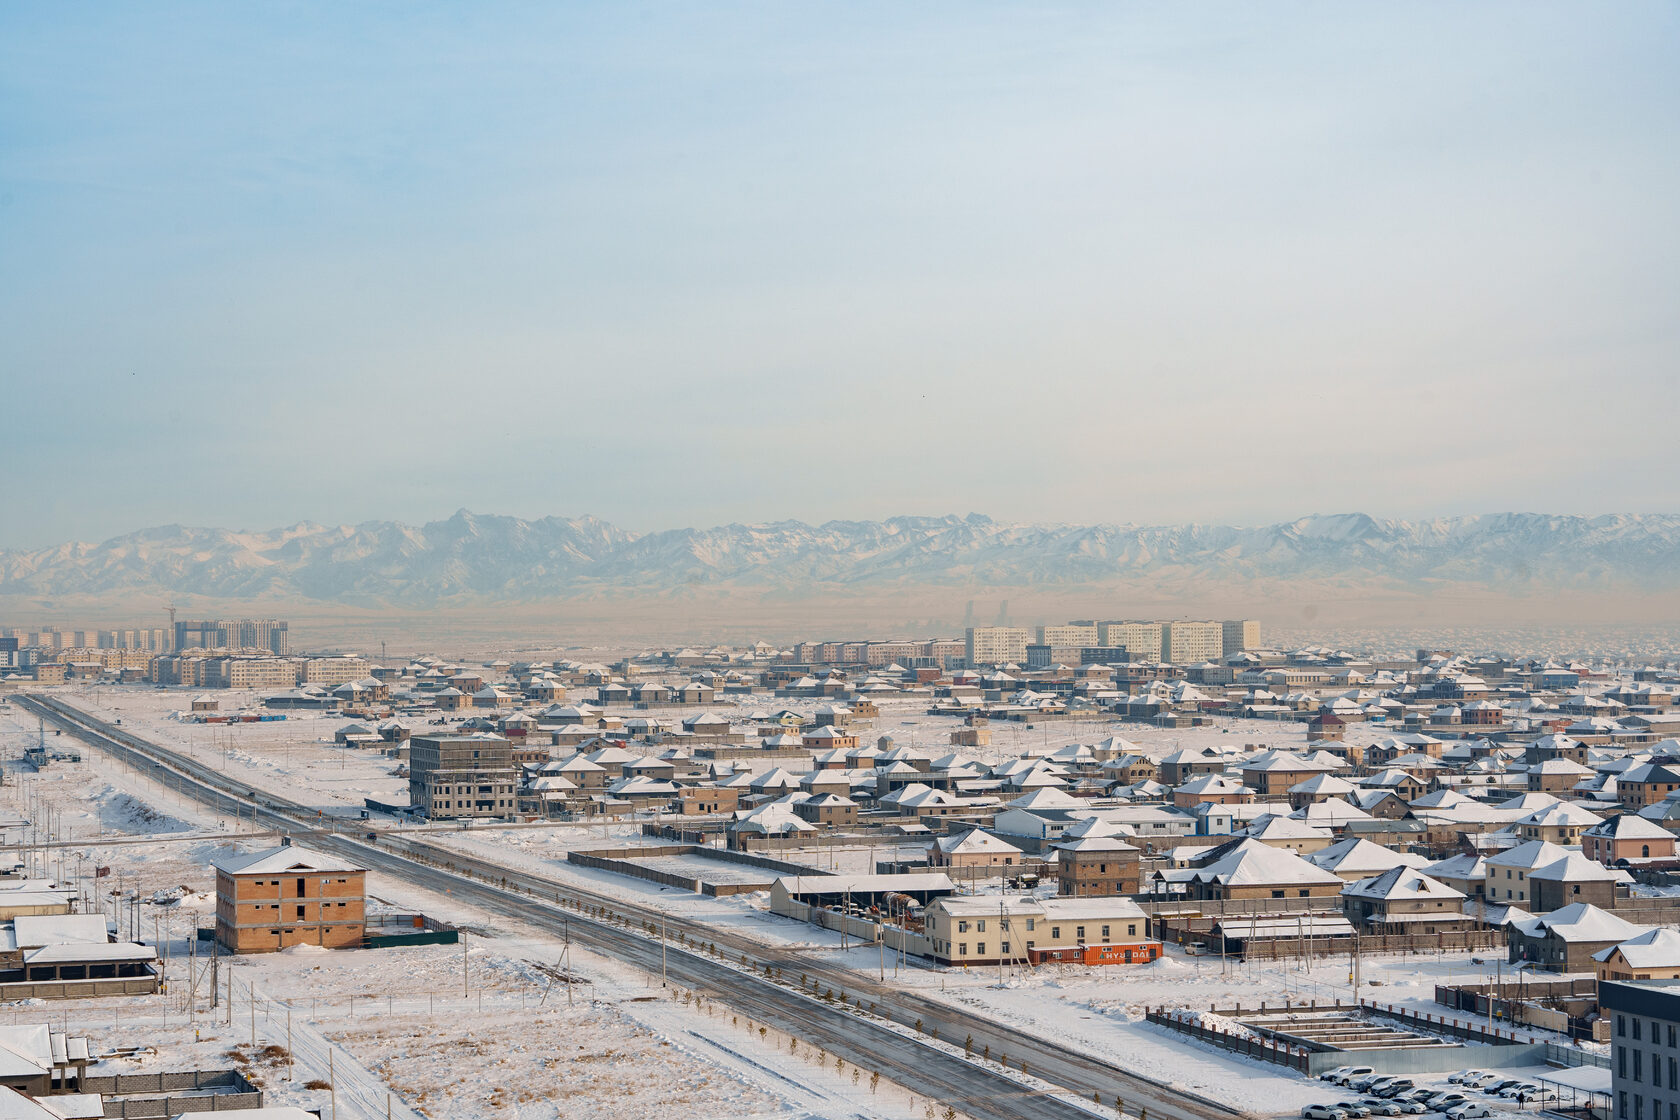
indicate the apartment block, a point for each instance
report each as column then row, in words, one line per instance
column 995, row 645
column 461, row 775
column 244, row 633
column 1186, row 643
column 1071, row 634
column 1240, row 634
column 330, row 671
column 1142, row 641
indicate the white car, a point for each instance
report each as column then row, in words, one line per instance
column 1536, row 1096
column 1322, row 1112
column 1335, row 1074
column 1469, row 1110
column 1465, row 1076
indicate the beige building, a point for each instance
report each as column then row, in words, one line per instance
column 1142, row 641
column 1071, row 634
column 977, row 930
column 1240, row 634
column 995, row 645
column 330, row 671
column 1187, row 643
column 251, row 672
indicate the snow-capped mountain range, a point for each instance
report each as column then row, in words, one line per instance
column 473, row 557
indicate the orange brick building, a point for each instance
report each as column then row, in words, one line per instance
column 287, row 896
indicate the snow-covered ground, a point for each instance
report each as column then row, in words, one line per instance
column 497, row 1039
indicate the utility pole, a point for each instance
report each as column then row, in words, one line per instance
column 663, row 934
column 463, row 964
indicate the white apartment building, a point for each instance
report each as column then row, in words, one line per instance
column 1072, row 634
column 995, row 645
column 1142, row 641
column 1188, row 643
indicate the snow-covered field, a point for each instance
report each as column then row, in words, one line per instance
column 496, row 1039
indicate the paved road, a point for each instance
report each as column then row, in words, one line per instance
column 614, row 926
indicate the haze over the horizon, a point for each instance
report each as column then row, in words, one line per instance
column 686, row 266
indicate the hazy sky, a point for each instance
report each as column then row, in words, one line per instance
column 694, row 263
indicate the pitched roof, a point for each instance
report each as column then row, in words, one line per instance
column 282, row 860
column 1401, row 883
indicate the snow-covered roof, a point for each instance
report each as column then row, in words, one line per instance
column 286, row 858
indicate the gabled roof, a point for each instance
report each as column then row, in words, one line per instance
column 1356, row 855
column 972, row 841
column 1249, row 862
column 283, row 860
column 1655, row 948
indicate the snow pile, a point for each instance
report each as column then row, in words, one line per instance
column 182, row 896
column 122, row 812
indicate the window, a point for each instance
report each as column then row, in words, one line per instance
column 980, row 926
column 962, row 949
column 1638, row 1107
column 980, row 948
column 1621, row 1026
column 1636, row 1028
column 1621, row 1061
column 1671, row 1040
column 1277, row 894
column 1030, row 926
column 1055, row 933
column 1005, row 948
column 1656, row 1072
column 1638, row 1067
column 1079, row 933
column 1621, row 1105
column 962, row 927
column 1131, row 930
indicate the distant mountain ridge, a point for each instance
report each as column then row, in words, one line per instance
column 473, row 557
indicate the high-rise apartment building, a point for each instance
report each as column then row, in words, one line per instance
column 243, row 633
column 1142, row 641
column 1241, row 634
column 1187, row 643
column 461, row 775
column 996, row 645
column 1070, row 634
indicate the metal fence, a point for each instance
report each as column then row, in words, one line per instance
column 1267, row 1051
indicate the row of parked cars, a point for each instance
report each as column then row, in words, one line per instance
column 1397, row 1096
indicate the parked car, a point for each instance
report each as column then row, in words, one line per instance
column 1336, row 1074
column 1479, row 1081
column 1540, row 1095
column 1445, row 1099
column 1410, row 1107
column 1469, row 1110
column 1493, row 1088
column 1354, row 1109
column 1383, row 1108
column 1367, row 1082
column 1394, row 1088
column 1465, row 1075
column 1513, row 1090
column 1322, row 1112
column 1354, row 1073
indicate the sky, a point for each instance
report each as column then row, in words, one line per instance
column 689, row 264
